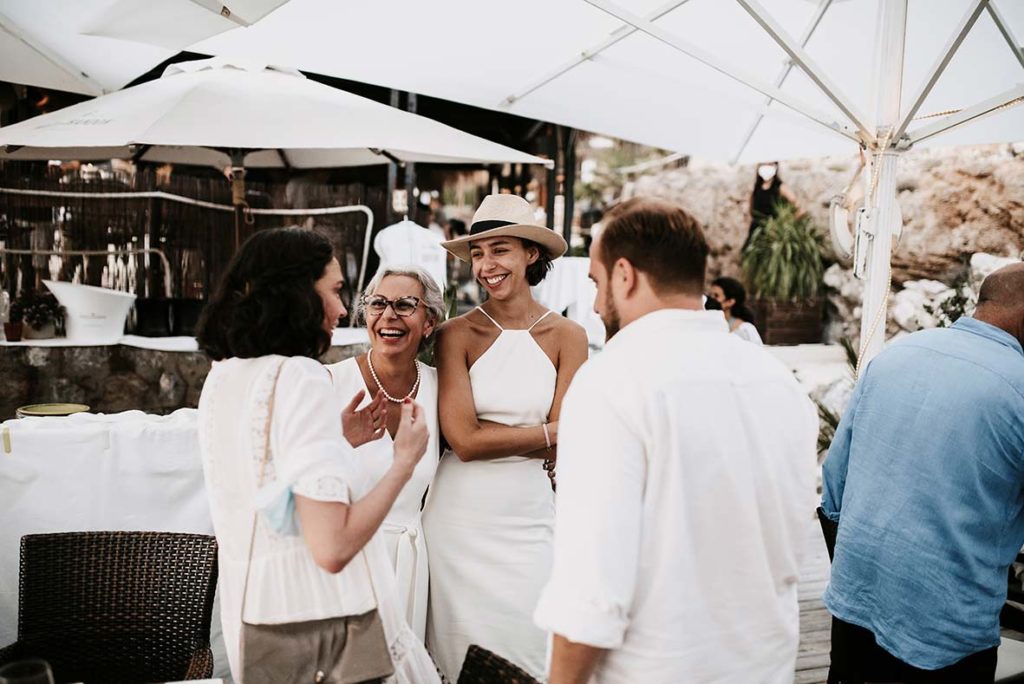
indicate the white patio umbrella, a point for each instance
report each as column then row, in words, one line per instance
column 40, row 45
column 219, row 113
column 176, row 24
column 98, row 46
column 734, row 80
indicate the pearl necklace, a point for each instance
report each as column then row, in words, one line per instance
column 394, row 400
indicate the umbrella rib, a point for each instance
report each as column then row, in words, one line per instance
column 1004, row 28
column 812, row 26
column 139, row 152
column 387, row 155
column 1009, row 98
column 92, row 87
column 221, row 9
column 966, row 24
column 804, row 61
column 283, row 157
column 710, row 60
column 620, row 33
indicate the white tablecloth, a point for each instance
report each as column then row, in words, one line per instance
column 93, row 472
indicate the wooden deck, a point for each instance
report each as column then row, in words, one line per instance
column 815, row 622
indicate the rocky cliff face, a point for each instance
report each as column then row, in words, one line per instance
column 955, row 202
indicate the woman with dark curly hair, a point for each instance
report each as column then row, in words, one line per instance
column 732, row 297
column 295, row 514
column 502, row 371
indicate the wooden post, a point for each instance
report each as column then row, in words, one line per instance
column 392, row 182
column 552, row 175
column 410, row 168
column 570, row 184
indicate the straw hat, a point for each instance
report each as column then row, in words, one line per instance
column 509, row 215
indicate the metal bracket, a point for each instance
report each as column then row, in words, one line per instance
column 864, row 235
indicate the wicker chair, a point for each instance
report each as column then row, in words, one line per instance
column 483, row 667
column 117, row 606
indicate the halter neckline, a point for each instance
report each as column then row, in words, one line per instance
column 498, row 325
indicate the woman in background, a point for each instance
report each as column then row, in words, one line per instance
column 769, row 191
column 732, row 297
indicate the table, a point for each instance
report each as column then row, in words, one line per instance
column 93, row 472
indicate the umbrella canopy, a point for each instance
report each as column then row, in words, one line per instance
column 201, row 111
column 176, row 24
column 687, row 75
column 734, row 81
column 40, row 45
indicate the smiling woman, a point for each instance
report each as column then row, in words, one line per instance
column 401, row 308
column 502, row 371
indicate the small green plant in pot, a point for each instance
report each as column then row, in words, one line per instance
column 783, row 268
column 40, row 312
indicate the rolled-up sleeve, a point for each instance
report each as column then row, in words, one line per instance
column 601, row 473
column 309, row 453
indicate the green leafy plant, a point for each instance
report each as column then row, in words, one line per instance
column 37, row 309
column 960, row 303
column 784, row 258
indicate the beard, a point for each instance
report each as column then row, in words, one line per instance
column 611, row 320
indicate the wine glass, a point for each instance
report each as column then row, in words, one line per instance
column 34, row 671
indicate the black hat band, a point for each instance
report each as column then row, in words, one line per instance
column 481, row 226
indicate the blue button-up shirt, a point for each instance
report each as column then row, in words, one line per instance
column 926, row 479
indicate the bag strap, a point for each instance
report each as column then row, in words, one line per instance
column 259, row 482
column 264, row 459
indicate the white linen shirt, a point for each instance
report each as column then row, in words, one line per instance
column 686, row 475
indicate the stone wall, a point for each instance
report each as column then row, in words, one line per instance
column 110, row 379
column 955, row 202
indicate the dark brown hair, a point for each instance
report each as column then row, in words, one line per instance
column 266, row 302
column 660, row 239
column 538, row 270
column 734, row 290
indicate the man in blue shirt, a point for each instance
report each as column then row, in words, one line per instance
column 926, row 480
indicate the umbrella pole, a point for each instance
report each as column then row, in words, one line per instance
column 238, row 193
column 885, row 221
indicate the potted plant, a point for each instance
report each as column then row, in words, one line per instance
column 41, row 314
column 783, row 268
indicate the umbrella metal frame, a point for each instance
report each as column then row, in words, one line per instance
column 885, row 135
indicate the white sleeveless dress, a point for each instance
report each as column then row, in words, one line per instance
column 402, row 530
column 490, row 523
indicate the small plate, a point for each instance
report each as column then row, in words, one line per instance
column 50, row 410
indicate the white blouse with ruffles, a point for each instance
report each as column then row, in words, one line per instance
column 309, row 455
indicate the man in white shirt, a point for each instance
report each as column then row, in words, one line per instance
column 686, row 477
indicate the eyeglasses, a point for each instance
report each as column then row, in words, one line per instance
column 403, row 306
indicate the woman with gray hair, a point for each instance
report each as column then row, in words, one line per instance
column 401, row 307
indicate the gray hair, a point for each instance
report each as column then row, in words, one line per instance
column 433, row 300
